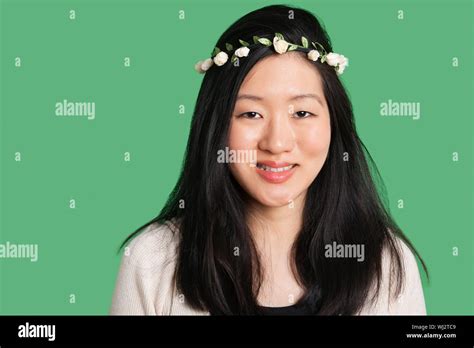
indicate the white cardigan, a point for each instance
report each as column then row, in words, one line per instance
column 145, row 283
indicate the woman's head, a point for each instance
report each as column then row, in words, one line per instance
column 263, row 107
column 341, row 202
column 282, row 115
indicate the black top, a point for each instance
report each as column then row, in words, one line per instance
column 299, row 308
column 302, row 307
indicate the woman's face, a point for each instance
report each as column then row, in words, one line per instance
column 280, row 115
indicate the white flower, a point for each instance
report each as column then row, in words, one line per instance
column 337, row 60
column 313, row 55
column 198, row 68
column 343, row 63
column 203, row 65
column 221, row 58
column 332, row 59
column 242, row 52
column 280, row 45
column 207, row 64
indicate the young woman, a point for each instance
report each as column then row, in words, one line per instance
column 296, row 228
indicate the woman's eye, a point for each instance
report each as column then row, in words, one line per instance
column 303, row 114
column 251, row 115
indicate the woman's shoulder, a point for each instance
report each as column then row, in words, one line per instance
column 154, row 246
column 145, row 280
column 410, row 298
column 408, row 264
column 407, row 257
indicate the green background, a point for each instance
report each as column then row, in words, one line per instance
column 137, row 111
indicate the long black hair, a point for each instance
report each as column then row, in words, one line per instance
column 343, row 204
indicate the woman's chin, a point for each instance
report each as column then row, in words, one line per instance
column 274, row 201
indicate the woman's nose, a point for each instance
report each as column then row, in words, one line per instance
column 278, row 135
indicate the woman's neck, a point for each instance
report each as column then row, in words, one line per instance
column 274, row 230
column 276, row 227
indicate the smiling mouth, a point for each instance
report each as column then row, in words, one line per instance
column 275, row 172
column 274, row 169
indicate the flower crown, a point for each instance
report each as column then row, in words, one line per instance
column 219, row 58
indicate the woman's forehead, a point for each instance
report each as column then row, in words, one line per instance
column 284, row 76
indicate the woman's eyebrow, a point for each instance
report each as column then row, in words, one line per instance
column 295, row 97
column 249, row 96
column 307, row 95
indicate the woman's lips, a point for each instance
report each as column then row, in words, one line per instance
column 275, row 172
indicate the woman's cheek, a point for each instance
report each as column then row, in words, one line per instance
column 314, row 141
column 243, row 137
